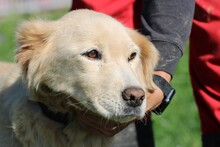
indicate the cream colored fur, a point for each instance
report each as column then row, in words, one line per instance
column 53, row 69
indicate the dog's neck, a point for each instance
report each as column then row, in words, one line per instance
column 43, row 93
column 55, row 116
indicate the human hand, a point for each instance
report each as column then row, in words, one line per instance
column 155, row 98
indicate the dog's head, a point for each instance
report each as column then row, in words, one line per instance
column 90, row 59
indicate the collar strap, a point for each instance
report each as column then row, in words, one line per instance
column 55, row 116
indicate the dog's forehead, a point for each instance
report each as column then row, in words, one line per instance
column 88, row 22
column 93, row 28
column 84, row 15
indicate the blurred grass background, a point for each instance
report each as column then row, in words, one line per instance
column 177, row 127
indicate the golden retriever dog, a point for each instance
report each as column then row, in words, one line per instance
column 85, row 60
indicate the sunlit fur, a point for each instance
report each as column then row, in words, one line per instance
column 53, row 69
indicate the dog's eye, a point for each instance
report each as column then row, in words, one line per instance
column 132, row 56
column 93, row 54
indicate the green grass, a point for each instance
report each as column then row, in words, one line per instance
column 177, row 127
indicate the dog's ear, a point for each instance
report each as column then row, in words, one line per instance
column 149, row 56
column 32, row 37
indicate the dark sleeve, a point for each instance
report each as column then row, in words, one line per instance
column 168, row 23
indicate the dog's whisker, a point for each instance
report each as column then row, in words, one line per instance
column 86, row 110
column 101, row 120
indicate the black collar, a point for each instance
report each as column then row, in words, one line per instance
column 55, row 116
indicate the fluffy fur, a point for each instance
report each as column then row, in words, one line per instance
column 56, row 66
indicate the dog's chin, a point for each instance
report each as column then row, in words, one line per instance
column 126, row 118
column 128, row 114
column 136, row 115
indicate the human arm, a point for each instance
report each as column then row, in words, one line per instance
column 168, row 24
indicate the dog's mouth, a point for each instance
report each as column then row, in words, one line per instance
column 128, row 113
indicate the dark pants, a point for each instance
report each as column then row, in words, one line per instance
column 145, row 136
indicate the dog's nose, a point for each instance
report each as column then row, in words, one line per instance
column 134, row 96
